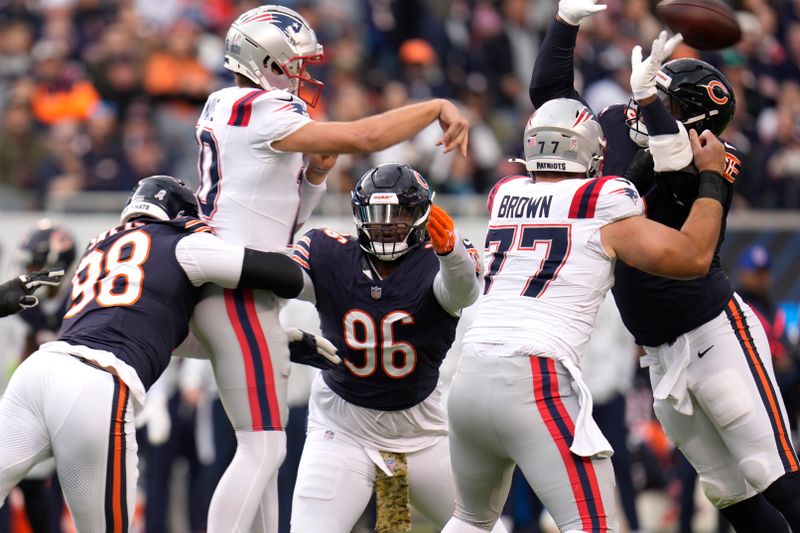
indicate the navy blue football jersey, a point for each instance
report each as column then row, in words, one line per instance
column 392, row 334
column 655, row 309
column 131, row 297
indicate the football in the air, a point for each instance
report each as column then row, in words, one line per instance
column 705, row 24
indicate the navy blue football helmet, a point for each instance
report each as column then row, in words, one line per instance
column 46, row 246
column 391, row 204
column 160, row 197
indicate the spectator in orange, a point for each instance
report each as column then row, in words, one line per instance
column 175, row 73
column 60, row 90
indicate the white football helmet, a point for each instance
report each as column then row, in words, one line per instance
column 271, row 46
column 563, row 136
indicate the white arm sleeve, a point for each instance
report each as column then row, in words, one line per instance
column 308, row 294
column 456, row 285
column 310, row 195
column 208, row 259
column 671, row 152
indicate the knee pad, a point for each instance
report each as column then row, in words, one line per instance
column 722, row 406
column 716, row 493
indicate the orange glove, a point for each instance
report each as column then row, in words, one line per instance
column 441, row 231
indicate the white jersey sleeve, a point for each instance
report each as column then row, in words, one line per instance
column 276, row 115
column 249, row 192
column 618, row 199
column 208, row 259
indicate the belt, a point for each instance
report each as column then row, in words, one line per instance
column 94, row 364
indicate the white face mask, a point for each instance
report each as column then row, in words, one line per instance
column 638, row 134
column 636, row 128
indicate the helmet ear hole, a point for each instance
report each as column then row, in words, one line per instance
column 273, row 66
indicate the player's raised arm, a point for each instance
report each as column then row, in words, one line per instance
column 377, row 132
column 663, row 251
column 554, row 70
column 456, row 285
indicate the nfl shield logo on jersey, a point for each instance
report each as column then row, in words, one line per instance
column 375, row 292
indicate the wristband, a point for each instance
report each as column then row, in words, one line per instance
column 712, row 185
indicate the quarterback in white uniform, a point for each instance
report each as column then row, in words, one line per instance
column 551, row 246
column 262, row 165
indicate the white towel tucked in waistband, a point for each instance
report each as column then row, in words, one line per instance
column 674, row 385
column 589, row 441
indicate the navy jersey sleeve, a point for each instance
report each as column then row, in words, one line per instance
column 301, row 252
column 554, row 70
column 312, row 250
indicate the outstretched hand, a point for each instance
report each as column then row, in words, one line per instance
column 455, row 127
column 573, row 11
column 441, row 231
column 643, row 72
column 311, row 350
column 17, row 294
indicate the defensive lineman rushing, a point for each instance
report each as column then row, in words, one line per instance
column 132, row 296
column 552, row 245
column 710, row 367
column 257, row 187
column 390, row 300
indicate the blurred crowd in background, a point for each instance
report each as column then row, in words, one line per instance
column 95, row 94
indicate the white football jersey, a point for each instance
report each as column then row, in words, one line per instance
column 248, row 190
column 546, row 270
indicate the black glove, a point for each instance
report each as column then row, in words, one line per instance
column 17, row 294
column 308, row 349
column 640, row 172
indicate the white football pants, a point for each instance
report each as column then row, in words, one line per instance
column 57, row 405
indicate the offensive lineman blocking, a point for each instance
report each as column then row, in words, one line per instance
column 719, row 405
column 552, row 244
column 257, row 187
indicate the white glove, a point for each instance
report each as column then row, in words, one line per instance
column 573, row 11
column 643, row 73
column 155, row 414
column 306, row 349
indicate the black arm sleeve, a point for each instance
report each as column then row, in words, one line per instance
column 657, row 119
column 10, row 294
column 554, row 70
column 271, row 271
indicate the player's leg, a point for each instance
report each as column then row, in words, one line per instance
column 23, row 436
column 266, row 516
column 755, row 514
column 579, row 492
column 89, row 414
column 481, row 468
column 431, row 484
column 251, row 365
column 744, row 404
column 335, row 481
column 718, row 470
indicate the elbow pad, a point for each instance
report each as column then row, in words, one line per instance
column 271, row 271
